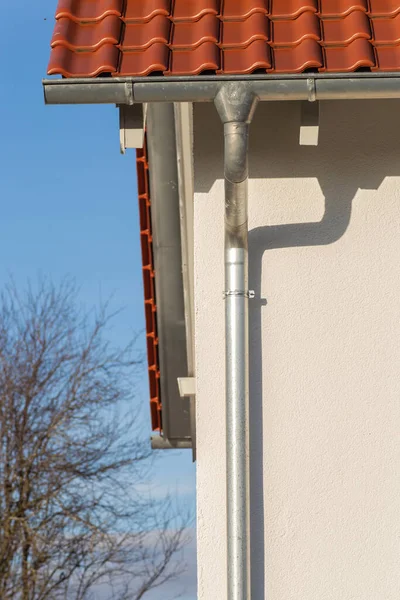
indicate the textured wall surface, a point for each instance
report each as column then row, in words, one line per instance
column 325, row 354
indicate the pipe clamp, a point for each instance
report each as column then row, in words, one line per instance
column 238, row 294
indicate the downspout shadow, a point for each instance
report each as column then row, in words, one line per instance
column 331, row 228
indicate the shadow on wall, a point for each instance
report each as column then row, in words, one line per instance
column 359, row 146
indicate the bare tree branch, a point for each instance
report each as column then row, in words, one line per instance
column 72, row 516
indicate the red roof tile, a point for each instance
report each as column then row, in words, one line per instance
column 192, row 10
column 88, row 37
column 341, row 8
column 83, row 64
column 356, row 55
column 386, row 31
column 88, row 10
column 234, row 10
column 144, row 10
column 138, row 36
column 291, row 9
column 148, row 281
column 385, row 8
column 190, row 37
column 239, row 34
column 388, row 57
column 340, row 32
column 203, row 58
column 290, row 32
column 153, row 59
column 255, row 56
column 306, row 55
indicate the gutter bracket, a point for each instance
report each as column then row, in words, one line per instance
column 312, row 89
column 187, row 386
column 309, row 123
column 159, row 442
column 132, row 119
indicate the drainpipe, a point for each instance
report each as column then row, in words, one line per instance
column 236, row 107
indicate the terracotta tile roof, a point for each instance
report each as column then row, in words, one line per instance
column 189, row 37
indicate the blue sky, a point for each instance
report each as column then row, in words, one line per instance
column 69, row 206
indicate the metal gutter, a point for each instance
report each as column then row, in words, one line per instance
column 87, row 91
column 166, row 228
column 197, row 89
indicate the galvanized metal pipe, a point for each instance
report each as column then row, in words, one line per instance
column 237, row 420
column 236, row 108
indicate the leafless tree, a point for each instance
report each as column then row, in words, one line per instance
column 73, row 518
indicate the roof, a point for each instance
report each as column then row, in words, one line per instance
column 146, row 238
column 190, row 37
column 78, row 25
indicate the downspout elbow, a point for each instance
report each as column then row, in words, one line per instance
column 236, row 106
column 236, row 149
column 236, row 176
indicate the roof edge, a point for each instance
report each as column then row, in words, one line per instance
column 197, row 89
column 168, row 271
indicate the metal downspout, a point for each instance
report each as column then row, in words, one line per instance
column 236, row 107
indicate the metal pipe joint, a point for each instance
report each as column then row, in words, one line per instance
column 236, row 105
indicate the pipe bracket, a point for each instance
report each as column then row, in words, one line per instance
column 239, row 294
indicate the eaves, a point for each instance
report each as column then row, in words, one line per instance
column 169, row 150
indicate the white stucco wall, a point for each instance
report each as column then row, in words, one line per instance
column 325, row 354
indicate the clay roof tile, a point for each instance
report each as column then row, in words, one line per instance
column 190, row 37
